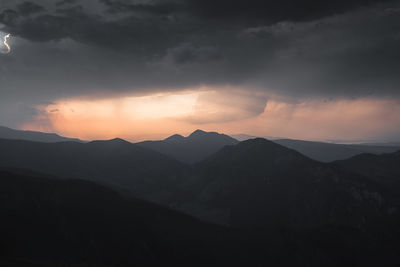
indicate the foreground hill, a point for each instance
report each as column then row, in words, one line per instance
column 258, row 183
column 120, row 164
column 8, row 133
column 383, row 169
column 48, row 222
column 193, row 148
column 327, row 152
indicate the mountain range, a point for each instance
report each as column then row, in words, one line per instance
column 8, row 133
column 258, row 182
column 193, row 148
column 328, row 152
column 234, row 186
column 200, row 144
column 122, row 165
column 253, row 203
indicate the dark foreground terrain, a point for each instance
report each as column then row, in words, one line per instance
column 77, row 223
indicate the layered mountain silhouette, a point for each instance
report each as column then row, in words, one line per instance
column 243, row 137
column 192, row 148
column 200, row 144
column 253, row 183
column 274, row 206
column 117, row 163
column 8, row 133
column 328, row 152
column 259, row 183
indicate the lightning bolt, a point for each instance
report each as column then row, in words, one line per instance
column 5, row 39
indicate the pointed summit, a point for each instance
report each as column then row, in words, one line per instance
column 119, row 141
column 193, row 148
column 111, row 141
column 199, row 133
column 174, row 138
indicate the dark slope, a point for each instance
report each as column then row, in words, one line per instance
column 8, row 133
column 258, row 183
column 383, row 169
column 48, row 222
column 327, row 152
column 79, row 222
column 123, row 165
column 196, row 147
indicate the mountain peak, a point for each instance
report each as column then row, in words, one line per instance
column 118, row 140
column 193, row 148
column 199, row 133
column 175, row 137
column 111, row 141
column 256, row 151
column 264, row 145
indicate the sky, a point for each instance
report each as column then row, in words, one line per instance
column 146, row 69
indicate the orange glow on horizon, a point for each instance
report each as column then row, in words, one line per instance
column 160, row 115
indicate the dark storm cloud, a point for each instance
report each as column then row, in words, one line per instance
column 28, row 8
column 187, row 53
column 150, row 19
column 142, row 36
column 65, row 2
column 155, row 8
column 248, row 11
column 291, row 48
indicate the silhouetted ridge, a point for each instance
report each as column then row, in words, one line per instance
column 174, row 138
column 328, row 152
column 258, row 183
column 256, row 150
column 8, row 133
column 193, row 148
column 118, row 163
column 118, row 142
column 284, row 209
column 200, row 133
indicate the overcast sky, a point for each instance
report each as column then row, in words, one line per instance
column 295, row 68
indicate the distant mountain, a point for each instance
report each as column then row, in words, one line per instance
column 242, row 137
column 328, row 152
column 258, row 183
column 8, row 133
column 383, row 169
column 120, row 164
column 192, row 148
column 396, row 144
